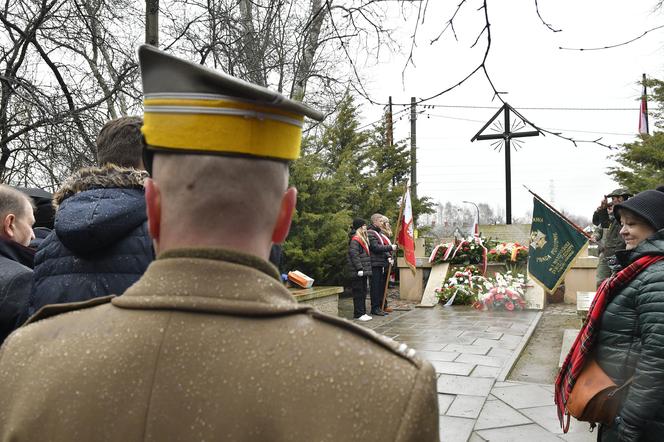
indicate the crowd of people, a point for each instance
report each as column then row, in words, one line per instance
column 150, row 310
column 142, row 305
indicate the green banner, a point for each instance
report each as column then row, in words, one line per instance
column 554, row 245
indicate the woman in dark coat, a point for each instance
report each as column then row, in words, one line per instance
column 359, row 267
column 630, row 341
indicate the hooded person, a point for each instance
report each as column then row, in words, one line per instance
column 100, row 243
column 208, row 344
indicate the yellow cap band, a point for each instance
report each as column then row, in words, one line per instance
column 221, row 125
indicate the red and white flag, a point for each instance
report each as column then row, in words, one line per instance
column 406, row 236
column 643, row 112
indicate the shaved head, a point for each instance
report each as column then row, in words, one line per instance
column 209, row 198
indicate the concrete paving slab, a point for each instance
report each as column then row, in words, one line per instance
column 507, row 344
column 489, row 361
column 470, row 349
column 586, row 436
column 455, row 429
column 547, row 418
column 484, row 335
column 475, row 438
column 482, row 371
column 497, row 414
column 524, row 396
column 452, row 368
column 500, row 353
column 444, row 402
column 521, row 433
column 451, row 384
column 466, row 406
column 424, row 346
column 445, row 356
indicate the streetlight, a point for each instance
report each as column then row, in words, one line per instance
column 478, row 215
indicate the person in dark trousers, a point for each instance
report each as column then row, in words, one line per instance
column 100, row 243
column 381, row 252
column 359, row 267
column 16, row 258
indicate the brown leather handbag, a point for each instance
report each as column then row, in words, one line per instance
column 595, row 397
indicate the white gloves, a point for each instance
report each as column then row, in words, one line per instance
column 394, row 247
column 360, row 273
column 390, row 261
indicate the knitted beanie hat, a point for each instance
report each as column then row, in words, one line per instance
column 359, row 222
column 648, row 204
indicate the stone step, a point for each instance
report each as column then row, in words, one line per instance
column 569, row 335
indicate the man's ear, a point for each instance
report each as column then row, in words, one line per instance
column 282, row 226
column 8, row 226
column 153, row 205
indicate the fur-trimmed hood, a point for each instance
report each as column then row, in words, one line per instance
column 105, row 177
column 99, row 206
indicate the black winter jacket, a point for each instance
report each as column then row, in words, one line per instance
column 100, row 243
column 15, row 283
column 358, row 258
column 379, row 252
column 631, row 342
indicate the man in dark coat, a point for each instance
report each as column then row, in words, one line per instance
column 16, row 258
column 381, row 252
column 208, row 344
column 100, row 243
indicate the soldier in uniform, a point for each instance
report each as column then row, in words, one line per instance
column 208, row 345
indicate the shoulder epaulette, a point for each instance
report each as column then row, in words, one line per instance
column 398, row 348
column 55, row 309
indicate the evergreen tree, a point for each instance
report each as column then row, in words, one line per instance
column 343, row 174
column 641, row 163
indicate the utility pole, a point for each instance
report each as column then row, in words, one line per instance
column 152, row 22
column 413, row 147
column 390, row 133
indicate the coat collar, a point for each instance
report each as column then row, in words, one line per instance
column 211, row 280
column 17, row 252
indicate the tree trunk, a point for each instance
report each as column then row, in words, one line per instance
column 152, row 22
column 318, row 14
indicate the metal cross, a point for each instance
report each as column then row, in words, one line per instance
column 507, row 131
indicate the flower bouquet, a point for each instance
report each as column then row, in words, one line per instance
column 463, row 287
column 465, row 252
column 504, row 292
column 508, row 252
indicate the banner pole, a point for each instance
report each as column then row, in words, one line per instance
column 394, row 241
column 577, row 228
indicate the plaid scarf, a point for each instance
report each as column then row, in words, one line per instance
column 585, row 340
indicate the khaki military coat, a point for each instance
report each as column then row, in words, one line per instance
column 209, row 346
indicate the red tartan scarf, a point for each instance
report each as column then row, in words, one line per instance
column 585, row 340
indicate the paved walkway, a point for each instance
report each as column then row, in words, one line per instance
column 472, row 352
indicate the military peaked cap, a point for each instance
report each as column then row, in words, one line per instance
column 193, row 109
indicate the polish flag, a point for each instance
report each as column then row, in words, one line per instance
column 406, row 236
column 643, row 112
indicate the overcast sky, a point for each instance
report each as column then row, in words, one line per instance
column 525, row 62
